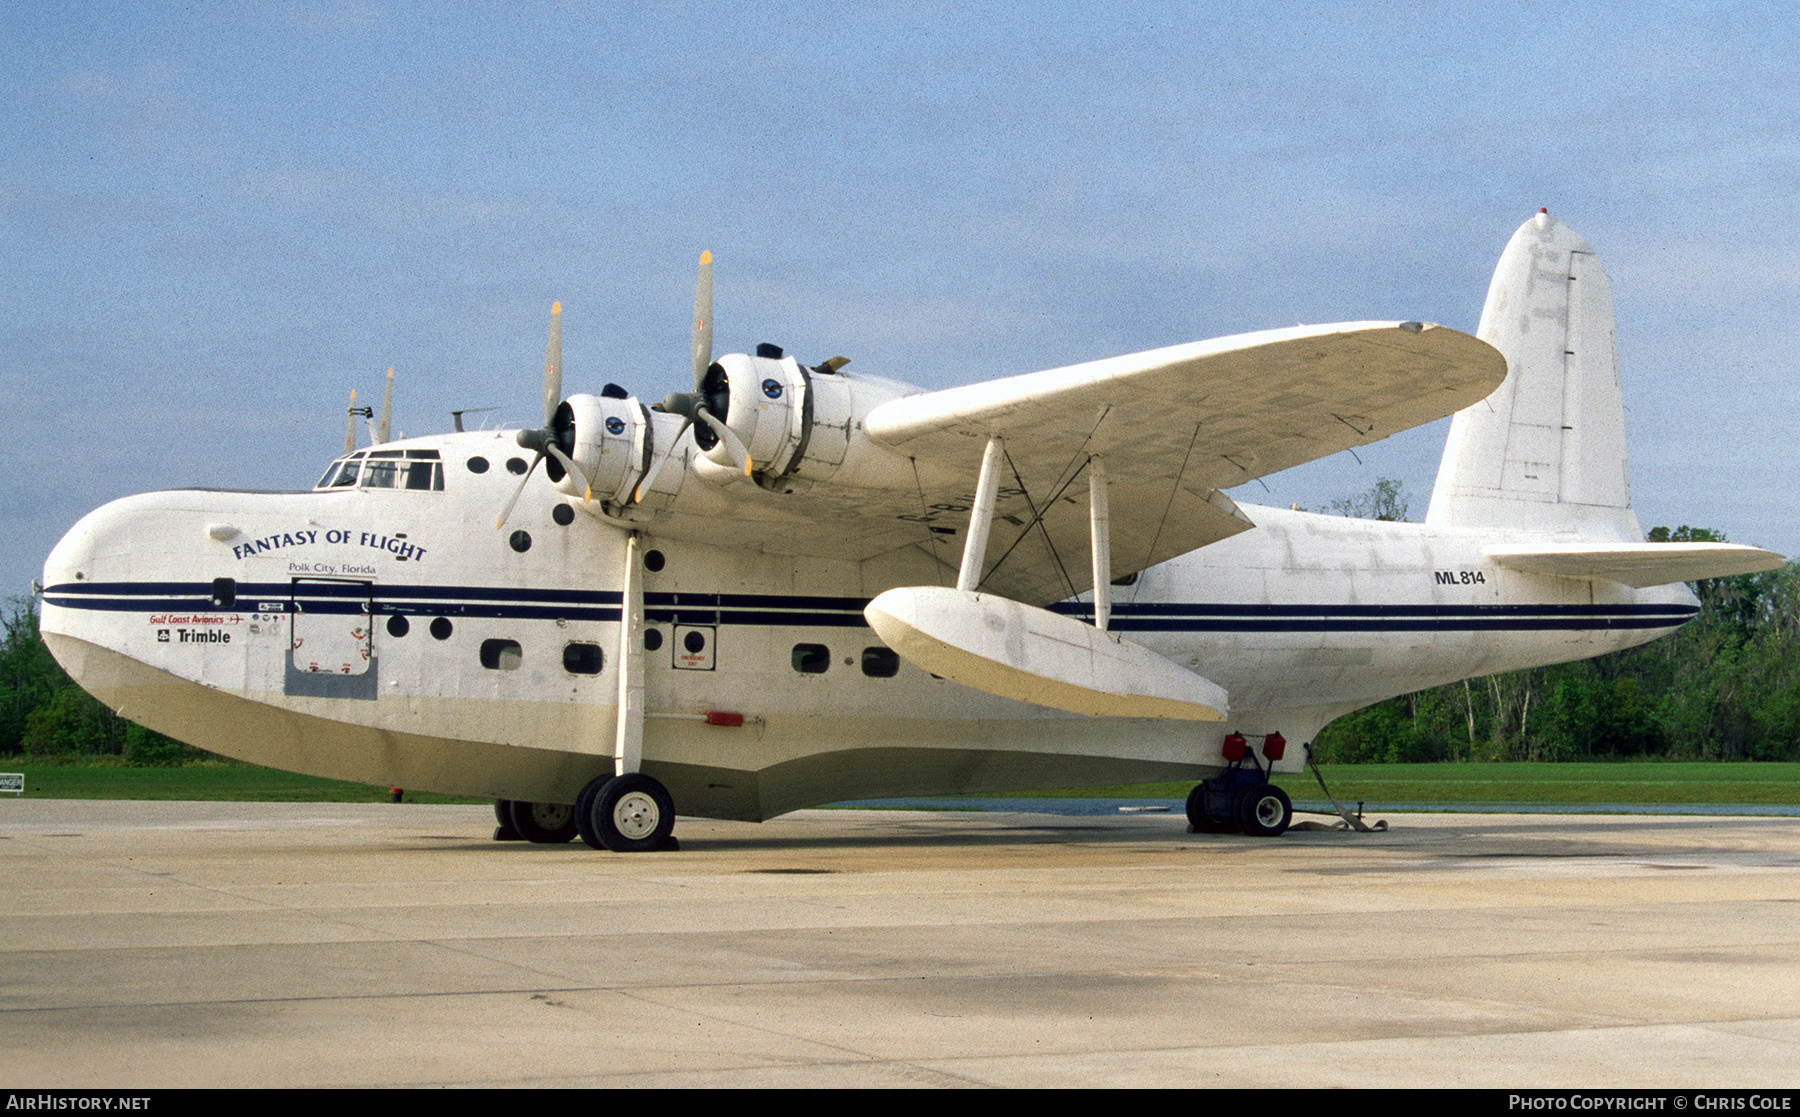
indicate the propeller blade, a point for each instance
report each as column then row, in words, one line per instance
column 500, row 524
column 656, row 468
column 387, row 404
column 703, row 311
column 553, row 364
column 350, row 424
column 568, row 463
column 740, row 454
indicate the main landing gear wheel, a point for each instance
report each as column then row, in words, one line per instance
column 1199, row 821
column 632, row 813
column 544, row 823
column 503, row 828
column 1264, row 811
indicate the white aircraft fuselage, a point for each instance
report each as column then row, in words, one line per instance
column 1302, row 618
column 687, row 621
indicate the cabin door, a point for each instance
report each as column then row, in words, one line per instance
column 331, row 627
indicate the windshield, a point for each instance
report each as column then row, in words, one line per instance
column 417, row 470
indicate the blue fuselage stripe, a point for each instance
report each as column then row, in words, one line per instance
column 799, row 611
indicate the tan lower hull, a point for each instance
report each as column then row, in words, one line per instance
column 805, row 762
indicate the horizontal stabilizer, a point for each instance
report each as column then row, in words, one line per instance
column 1004, row 647
column 1636, row 564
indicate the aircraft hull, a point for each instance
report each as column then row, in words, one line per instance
column 764, row 768
column 1284, row 616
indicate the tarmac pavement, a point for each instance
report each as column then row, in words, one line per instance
column 231, row 944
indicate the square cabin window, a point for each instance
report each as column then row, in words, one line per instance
column 501, row 655
column 583, row 659
column 880, row 663
column 812, row 659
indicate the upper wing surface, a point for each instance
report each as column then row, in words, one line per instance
column 1175, row 426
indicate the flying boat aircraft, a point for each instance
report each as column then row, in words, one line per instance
column 799, row 584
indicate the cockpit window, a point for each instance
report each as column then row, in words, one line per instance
column 419, row 470
column 423, row 475
column 379, row 476
column 343, row 475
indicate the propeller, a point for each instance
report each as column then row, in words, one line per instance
column 553, row 364
column 703, row 310
column 545, row 440
column 387, row 405
column 697, row 406
column 500, row 524
column 350, row 422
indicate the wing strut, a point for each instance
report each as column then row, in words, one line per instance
column 981, row 516
column 981, row 519
column 628, row 739
column 1018, row 651
column 1100, row 539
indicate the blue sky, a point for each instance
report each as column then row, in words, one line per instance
column 221, row 217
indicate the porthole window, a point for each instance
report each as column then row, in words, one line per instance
column 501, row 655
column 441, row 628
column 880, row 663
column 652, row 639
column 477, row 465
column 398, row 626
column 563, row 514
column 520, row 541
column 516, row 466
column 653, row 561
column 694, row 641
column 812, row 659
column 582, row 659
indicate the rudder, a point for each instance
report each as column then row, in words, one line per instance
column 1546, row 451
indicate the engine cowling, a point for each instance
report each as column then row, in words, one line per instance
column 765, row 401
column 798, row 425
column 608, row 438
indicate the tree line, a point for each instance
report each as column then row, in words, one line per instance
column 1724, row 686
column 43, row 714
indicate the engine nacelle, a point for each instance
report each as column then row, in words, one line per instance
column 799, row 425
column 765, row 401
column 608, row 438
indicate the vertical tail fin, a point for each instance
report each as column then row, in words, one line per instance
column 1546, row 451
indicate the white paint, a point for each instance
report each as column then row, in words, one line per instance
column 1011, row 649
column 1297, row 617
column 981, row 518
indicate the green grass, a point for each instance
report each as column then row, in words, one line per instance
column 1643, row 781
column 1670, row 782
column 1378, row 785
column 207, row 780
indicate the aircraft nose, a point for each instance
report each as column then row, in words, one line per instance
column 70, row 559
column 120, row 542
column 66, row 628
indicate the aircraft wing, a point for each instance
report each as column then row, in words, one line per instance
column 1175, row 426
